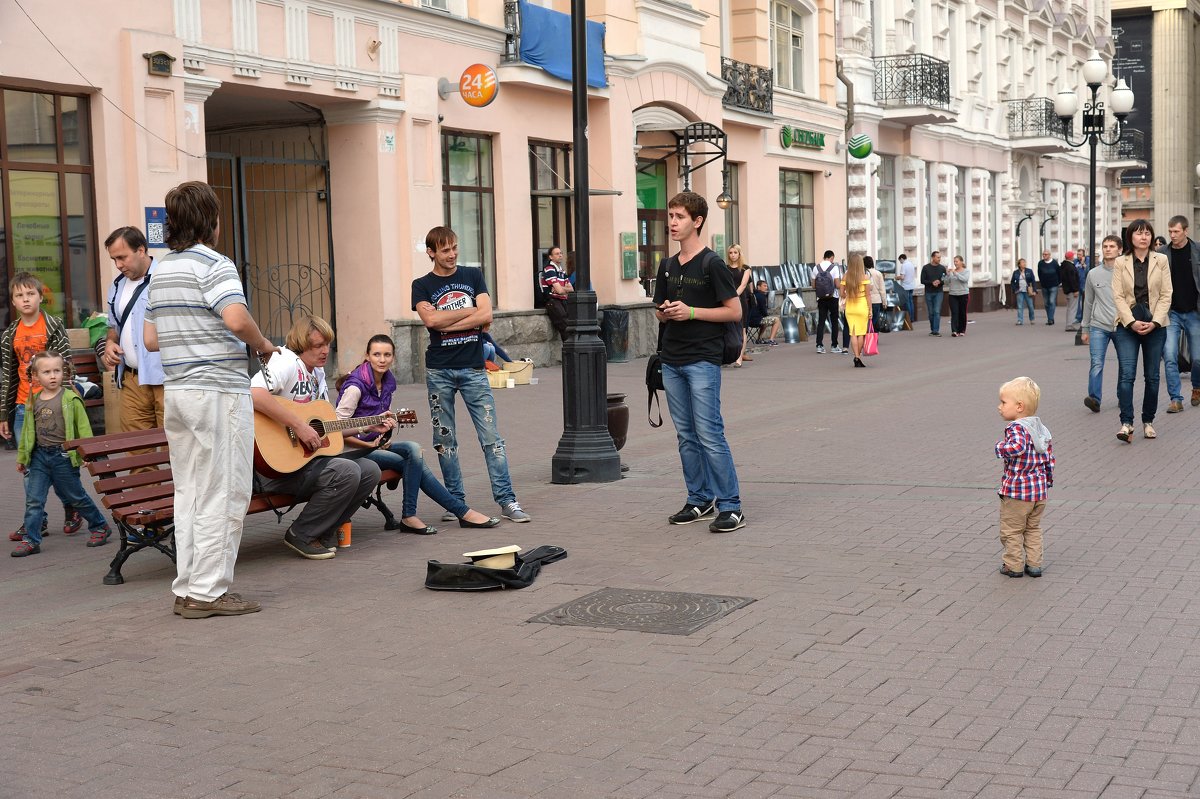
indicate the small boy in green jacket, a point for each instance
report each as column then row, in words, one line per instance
column 52, row 416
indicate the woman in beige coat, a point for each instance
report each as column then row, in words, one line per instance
column 1142, row 296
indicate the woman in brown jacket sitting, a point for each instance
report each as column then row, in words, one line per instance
column 1142, row 296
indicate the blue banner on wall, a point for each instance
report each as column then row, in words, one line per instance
column 546, row 43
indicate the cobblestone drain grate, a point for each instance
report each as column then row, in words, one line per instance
column 667, row 612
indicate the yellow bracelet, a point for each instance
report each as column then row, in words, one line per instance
column 693, row 312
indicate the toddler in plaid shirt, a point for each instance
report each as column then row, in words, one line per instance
column 1028, row 471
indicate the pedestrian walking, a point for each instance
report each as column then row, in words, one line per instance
column 906, row 283
column 1069, row 282
column 825, row 278
column 741, row 274
column 1023, row 286
column 1099, row 318
column 933, row 277
column 1183, row 254
column 855, row 304
column 878, row 292
column 958, row 282
column 1048, row 279
column 1142, row 297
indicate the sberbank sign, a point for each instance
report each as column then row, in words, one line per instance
column 799, row 137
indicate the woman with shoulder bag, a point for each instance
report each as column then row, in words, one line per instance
column 1142, row 296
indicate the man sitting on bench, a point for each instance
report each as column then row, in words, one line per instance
column 760, row 314
column 333, row 488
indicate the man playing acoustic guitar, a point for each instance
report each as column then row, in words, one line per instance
column 333, row 488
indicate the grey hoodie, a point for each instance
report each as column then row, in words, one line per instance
column 1037, row 432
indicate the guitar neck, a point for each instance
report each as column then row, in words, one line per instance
column 353, row 422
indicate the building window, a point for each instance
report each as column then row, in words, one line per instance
column 48, row 225
column 470, row 201
column 788, row 27
column 795, row 216
column 888, row 242
column 733, row 233
column 550, row 189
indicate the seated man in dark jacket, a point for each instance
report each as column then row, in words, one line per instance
column 760, row 310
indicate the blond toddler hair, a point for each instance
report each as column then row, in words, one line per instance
column 1025, row 391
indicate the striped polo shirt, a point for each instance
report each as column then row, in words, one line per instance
column 187, row 293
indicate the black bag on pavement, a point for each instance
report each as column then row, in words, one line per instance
column 469, row 577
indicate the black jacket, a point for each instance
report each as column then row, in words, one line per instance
column 1069, row 276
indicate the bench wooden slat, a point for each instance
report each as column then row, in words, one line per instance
column 116, row 443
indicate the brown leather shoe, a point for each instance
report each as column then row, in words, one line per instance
column 1195, row 397
column 1175, row 407
column 224, row 605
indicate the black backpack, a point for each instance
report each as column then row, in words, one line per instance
column 823, row 282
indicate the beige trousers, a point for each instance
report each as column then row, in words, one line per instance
column 1021, row 533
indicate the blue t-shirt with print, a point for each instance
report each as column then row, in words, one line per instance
column 460, row 349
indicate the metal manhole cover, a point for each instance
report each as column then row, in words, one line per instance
column 667, row 612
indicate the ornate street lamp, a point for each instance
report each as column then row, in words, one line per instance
column 1051, row 214
column 723, row 199
column 1095, row 71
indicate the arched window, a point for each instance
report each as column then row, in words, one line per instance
column 792, row 41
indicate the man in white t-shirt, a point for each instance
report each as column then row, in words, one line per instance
column 332, row 488
column 906, row 284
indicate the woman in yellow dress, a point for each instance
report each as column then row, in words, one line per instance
column 856, row 303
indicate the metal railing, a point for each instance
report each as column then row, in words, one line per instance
column 912, row 79
column 1131, row 147
column 512, row 24
column 751, row 87
column 1033, row 118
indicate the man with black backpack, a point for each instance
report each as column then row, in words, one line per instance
column 695, row 296
column 825, row 278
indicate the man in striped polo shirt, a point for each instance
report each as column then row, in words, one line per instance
column 197, row 319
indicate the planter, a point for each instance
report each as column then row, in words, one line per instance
column 618, row 419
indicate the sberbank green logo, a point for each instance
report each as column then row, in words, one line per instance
column 799, row 137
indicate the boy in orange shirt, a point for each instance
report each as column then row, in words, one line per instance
column 32, row 332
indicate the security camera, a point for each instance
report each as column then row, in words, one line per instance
column 828, row 174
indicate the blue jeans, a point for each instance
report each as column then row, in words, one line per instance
column 1181, row 323
column 405, row 457
column 933, row 305
column 1151, row 346
column 443, row 384
column 51, row 466
column 1098, row 339
column 694, row 400
column 1024, row 300
column 1050, row 296
column 905, row 297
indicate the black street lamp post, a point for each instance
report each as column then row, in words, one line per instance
column 1095, row 70
column 585, row 453
column 1051, row 215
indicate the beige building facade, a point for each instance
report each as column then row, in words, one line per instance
column 957, row 96
column 335, row 135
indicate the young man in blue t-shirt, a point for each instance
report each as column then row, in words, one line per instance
column 695, row 296
column 454, row 305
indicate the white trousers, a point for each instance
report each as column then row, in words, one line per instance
column 211, row 435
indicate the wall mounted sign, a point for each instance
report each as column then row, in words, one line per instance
column 159, row 63
column 799, row 137
column 629, row 256
column 478, row 85
column 156, row 227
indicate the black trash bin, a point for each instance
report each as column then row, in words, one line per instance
column 614, row 332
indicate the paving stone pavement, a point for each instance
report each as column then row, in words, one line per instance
column 884, row 655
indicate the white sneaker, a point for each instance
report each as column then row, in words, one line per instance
column 820, row 349
column 449, row 516
column 837, row 350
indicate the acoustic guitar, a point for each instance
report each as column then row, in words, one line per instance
column 278, row 451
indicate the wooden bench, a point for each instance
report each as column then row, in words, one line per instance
column 142, row 504
column 83, row 364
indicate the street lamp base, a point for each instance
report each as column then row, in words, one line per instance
column 585, row 456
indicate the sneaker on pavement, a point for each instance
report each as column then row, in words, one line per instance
column 25, row 548
column 99, row 538
column 837, row 350
column 1175, row 407
column 224, row 605
column 73, row 522
column 1126, row 433
column 820, row 349
column 1148, row 431
column 1091, row 403
column 771, row 342
column 728, row 521
column 449, row 516
column 307, row 549
column 693, row 513
column 20, row 533
column 513, row 512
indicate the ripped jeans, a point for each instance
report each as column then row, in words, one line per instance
column 443, row 384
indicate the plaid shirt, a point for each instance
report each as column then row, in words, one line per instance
column 1027, row 472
